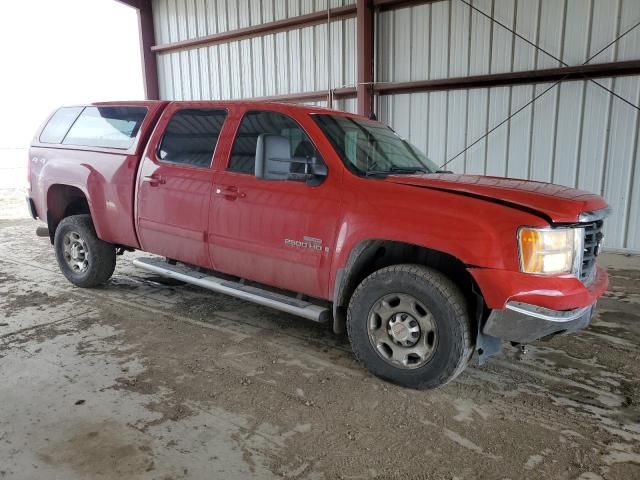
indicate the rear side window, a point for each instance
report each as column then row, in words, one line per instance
column 106, row 127
column 59, row 124
column 255, row 123
column 191, row 137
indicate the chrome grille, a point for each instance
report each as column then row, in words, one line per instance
column 592, row 242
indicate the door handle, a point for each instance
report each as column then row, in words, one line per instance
column 154, row 180
column 230, row 193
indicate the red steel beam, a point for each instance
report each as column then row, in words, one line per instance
column 364, row 43
column 263, row 29
column 394, row 4
column 579, row 72
column 149, row 61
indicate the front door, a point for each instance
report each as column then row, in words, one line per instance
column 279, row 231
column 174, row 184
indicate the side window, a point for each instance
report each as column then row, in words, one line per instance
column 59, row 124
column 191, row 137
column 257, row 123
column 106, row 127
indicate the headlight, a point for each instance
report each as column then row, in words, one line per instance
column 550, row 251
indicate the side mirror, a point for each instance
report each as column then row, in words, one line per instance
column 274, row 162
column 273, row 157
column 312, row 170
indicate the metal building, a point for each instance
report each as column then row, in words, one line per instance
column 545, row 90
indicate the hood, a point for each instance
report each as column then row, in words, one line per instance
column 554, row 202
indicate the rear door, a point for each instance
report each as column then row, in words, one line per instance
column 174, row 183
column 280, row 232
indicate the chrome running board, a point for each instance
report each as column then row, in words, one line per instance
column 257, row 295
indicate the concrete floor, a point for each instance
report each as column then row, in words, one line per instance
column 148, row 380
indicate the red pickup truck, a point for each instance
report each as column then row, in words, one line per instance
column 323, row 214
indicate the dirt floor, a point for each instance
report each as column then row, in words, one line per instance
column 148, row 380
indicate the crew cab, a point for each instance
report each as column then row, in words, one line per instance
column 322, row 214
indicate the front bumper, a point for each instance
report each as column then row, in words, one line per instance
column 525, row 323
column 499, row 287
column 525, row 308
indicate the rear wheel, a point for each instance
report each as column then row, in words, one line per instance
column 83, row 258
column 409, row 324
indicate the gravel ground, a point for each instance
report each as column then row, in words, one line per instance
column 152, row 380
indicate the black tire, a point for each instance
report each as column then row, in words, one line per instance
column 100, row 256
column 447, row 310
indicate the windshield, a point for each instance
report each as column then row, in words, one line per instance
column 367, row 147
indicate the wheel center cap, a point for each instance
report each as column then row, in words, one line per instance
column 404, row 329
column 399, row 331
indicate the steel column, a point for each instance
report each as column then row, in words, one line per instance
column 147, row 41
column 365, row 61
column 149, row 62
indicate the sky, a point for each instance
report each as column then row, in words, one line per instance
column 62, row 52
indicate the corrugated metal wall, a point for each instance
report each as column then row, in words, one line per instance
column 286, row 62
column 449, row 39
column 577, row 134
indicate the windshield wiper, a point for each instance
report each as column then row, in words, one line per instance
column 396, row 169
column 408, row 169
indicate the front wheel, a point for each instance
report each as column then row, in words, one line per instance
column 409, row 324
column 83, row 258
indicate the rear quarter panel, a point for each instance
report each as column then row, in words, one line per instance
column 106, row 179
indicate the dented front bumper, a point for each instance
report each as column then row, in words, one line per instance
column 565, row 292
column 524, row 323
column 524, row 308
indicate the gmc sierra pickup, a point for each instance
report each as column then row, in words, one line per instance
column 322, row 214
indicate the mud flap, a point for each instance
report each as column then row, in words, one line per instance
column 487, row 346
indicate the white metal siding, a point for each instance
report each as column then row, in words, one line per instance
column 177, row 20
column 448, row 39
column 299, row 60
